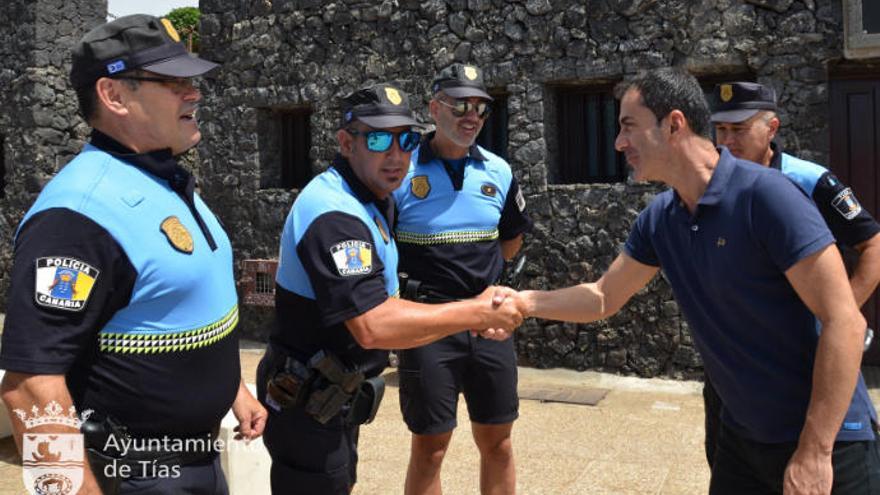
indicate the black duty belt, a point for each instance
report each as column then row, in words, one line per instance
column 414, row 290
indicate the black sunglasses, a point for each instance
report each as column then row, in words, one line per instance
column 380, row 141
column 178, row 85
column 461, row 108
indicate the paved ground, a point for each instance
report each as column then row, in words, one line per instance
column 645, row 437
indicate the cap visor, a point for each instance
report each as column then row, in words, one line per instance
column 389, row 121
column 466, row 92
column 734, row 116
column 183, row 66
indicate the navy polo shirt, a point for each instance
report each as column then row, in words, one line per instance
column 726, row 265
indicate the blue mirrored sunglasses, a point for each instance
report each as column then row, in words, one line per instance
column 380, row 141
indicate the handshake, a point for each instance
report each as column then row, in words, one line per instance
column 502, row 311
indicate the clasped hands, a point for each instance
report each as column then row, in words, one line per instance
column 505, row 313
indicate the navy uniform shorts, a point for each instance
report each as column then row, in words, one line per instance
column 308, row 457
column 432, row 376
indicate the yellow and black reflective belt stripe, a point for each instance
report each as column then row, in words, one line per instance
column 170, row 341
column 447, row 237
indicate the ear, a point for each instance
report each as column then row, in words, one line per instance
column 677, row 122
column 111, row 96
column 773, row 125
column 346, row 143
column 433, row 108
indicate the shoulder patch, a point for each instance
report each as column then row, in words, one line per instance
column 488, row 189
column 64, row 283
column 846, row 204
column 352, row 257
column 520, row 200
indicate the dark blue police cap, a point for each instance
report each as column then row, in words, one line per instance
column 461, row 81
column 136, row 41
column 381, row 106
column 738, row 101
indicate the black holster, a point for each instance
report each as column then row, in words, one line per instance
column 323, row 388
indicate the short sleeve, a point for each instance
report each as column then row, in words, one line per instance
column 346, row 273
column 850, row 223
column 786, row 222
column 514, row 220
column 639, row 245
column 69, row 276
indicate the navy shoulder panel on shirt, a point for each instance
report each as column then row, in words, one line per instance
column 41, row 336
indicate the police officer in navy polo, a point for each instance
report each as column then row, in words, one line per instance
column 460, row 215
column 337, row 301
column 745, row 119
column 123, row 299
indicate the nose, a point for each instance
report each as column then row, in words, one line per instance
column 620, row 142
column 192, row 94
column 724, row 138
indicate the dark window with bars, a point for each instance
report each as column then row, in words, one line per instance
column 871, row 16
column 284, row 140
column 493, row 136
column 265, row 283
column 587, row 127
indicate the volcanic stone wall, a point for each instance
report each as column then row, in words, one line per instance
column 295, row 54
column 40, row 129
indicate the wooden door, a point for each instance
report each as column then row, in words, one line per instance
column 855, row 136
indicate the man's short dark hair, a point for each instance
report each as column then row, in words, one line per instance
column 671, row 88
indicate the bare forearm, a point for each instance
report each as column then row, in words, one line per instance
column 866, row 274
column 23, row 392
column 401, row 324
column 835, row 372
column 580, row 303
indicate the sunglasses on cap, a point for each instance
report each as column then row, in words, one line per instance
column 460, row 108
column 380, row 141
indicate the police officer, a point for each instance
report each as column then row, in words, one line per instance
column 336, row 301
column 460, row 215
column 123, row 299
column 744, row 115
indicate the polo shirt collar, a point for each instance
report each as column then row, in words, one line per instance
column 160, row 163
column 361, row 192
column 426, row 153
column 776, row 160
column 719, row 182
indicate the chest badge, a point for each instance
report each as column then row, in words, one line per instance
column 381, row 229
column 489, row 190
column 721, row 242
column 177, row 235
column 419, row 186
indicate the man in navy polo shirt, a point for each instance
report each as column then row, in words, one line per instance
column 744, row 115
column 755, row 272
